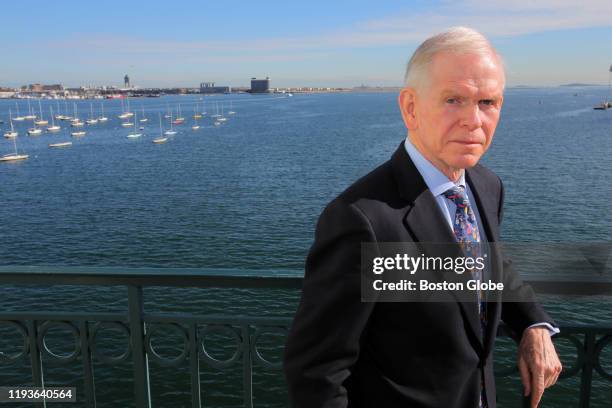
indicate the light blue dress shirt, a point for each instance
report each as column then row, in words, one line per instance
column 438, row 183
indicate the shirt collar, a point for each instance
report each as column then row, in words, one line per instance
column 436, row 181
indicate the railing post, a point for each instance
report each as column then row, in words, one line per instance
column 88, row 374
column 587, row 370
column 247, row 367
column 194, row 366
column 35, row 358
column 137, row 337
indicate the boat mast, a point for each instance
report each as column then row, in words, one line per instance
column 609, row 82
column 15, row 145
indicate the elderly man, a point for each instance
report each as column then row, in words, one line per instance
column 343, row 352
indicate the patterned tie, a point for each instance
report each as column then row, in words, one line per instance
column 465, row 229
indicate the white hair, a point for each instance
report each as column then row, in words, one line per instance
column 458, row 40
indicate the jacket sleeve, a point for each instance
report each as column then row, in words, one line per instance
column 523, row 310
column 323, row 342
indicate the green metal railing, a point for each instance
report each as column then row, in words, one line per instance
column 140, row 327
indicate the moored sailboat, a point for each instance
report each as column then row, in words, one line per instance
column 61, row 144
column 102, row 118
column 135, row 134
column 18, row 118
column 91, row 120
column 161, row 138
column 53, row 127
column 30, row 115
column 41, row 121
column 14, row 156
column 11, row 134
column 144, row 118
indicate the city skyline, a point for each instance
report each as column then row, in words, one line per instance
column 315, row 44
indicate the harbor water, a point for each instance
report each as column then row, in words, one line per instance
column 246, row 194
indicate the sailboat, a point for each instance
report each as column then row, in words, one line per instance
column 196, row 126
column 59, row 116
column 60, row 144
column 18, row 118
column 35, row 131
column 11, row 134
column 75, row 121
column 123, row 114
column 144, row 118
column 607, row 103
column 66, row 117
column 196, row 115
column 171, row 131
column 126, row 114
column 161, row 138
column 179, row 119
column 102, row 118
column 134, row 135
column 14, row 156
column 30, row 115
column 222, row 118
column 91, row 120
column 40, row 121
column 53, row 127
column 231, row 112
column 216, row 115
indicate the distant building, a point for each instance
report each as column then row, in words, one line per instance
column 126, row 81
column 54, row 87
column 39, row 88
column 35, row 88
column 210, row 88
column 260, row 85
column 6, row 92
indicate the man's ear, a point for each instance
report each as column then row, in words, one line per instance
column 407, row 101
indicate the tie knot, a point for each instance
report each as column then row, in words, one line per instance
column 457, row 195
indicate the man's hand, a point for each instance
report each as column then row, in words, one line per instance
column 538, row 363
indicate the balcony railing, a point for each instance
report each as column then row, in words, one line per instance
column 140, row 327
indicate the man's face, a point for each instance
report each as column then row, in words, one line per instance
column 454, row 118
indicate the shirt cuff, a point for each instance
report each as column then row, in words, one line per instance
column 552, row 330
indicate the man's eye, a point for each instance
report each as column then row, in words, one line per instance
column 488, row 102
column 452, row 100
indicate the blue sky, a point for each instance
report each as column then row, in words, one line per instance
column 314, row 43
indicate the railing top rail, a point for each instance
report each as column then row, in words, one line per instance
column 187, row 277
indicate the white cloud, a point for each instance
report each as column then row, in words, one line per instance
column 325, row 49
column 494, row 18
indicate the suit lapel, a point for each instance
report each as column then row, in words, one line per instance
column 426, row 224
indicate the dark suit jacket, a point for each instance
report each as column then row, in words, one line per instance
column 342, row 352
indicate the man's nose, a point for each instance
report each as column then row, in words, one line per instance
column 471, row 117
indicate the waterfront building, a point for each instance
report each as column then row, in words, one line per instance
column 260, row 85
column 210, row 88
column 6, row 93
column 43, row 88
